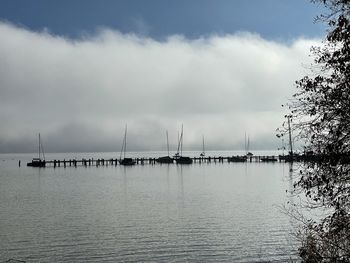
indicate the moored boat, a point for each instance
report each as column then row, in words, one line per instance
column 38, row 162
column 203, row 150
column 165, row 159
column 125, row 161
column 179, row 159
column 184, row 160
column 237, row 159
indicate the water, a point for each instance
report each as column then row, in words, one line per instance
column 162, row 213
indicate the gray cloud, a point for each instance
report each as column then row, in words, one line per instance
column 80, row 93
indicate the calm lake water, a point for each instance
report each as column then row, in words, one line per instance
column 162, row 213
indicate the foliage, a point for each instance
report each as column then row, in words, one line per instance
column 326, row 242
column 320, row 111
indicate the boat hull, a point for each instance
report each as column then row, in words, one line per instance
column 37, row 163
column 237, row 159
column 165, row 159
column 184, row 160
column 127, row 161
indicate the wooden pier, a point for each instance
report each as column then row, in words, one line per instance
column 153, row 161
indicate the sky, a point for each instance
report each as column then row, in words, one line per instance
column 79, row 71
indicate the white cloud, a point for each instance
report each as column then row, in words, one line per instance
column 80, row 93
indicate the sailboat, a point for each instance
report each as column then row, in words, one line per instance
column 248, row 153
column 238, row 158
column 125, row 161
column 166, row 159
column 38, row 162
column 178, row 156
column 203, row 151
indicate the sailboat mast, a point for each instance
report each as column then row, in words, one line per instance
column 248, row 145
column 203, row 145
column 42, row 150
column 122, row 150
column 126, row 129
column 178, row 143
column 182, row 136
column 39, row 146
column 167, row 142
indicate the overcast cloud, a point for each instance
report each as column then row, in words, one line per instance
column 80, row 93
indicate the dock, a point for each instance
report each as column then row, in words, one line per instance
column 89, row 162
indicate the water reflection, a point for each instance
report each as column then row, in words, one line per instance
column 179, row 170
column 154, row 213
column 125, row 182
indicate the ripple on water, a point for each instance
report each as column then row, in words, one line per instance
column 214, row 213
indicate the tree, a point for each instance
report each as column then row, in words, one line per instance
column 320, row 111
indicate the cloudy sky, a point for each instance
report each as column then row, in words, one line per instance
column 79, row 71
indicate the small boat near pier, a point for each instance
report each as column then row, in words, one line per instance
column 165, row 159
column 38, row 162
column 179, row 159
column 125, row 161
